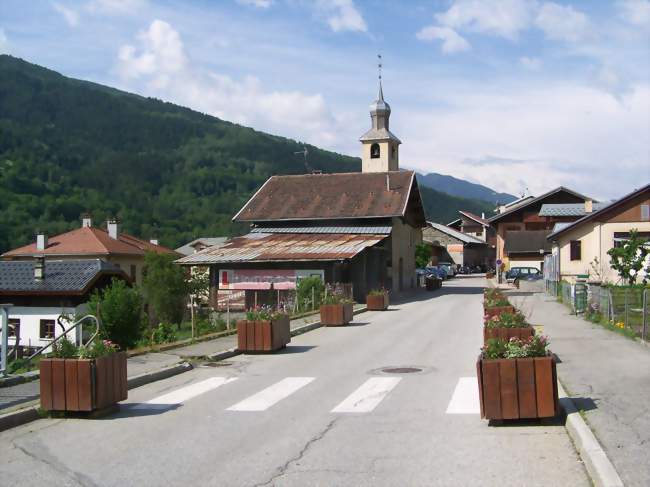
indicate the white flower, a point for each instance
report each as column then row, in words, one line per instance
column 632, row 272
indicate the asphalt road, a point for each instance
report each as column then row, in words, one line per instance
column 320, row 413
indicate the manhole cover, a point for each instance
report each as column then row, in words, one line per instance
column 401, row 370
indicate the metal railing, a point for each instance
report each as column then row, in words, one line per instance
column 65, row 333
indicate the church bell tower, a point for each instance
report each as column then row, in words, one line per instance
column 380, row 147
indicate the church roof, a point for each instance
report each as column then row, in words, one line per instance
column 333, row 197
column 379, row 134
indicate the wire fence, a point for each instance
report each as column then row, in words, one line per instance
column 626, row 308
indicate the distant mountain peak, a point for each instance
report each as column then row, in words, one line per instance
column 464, row 189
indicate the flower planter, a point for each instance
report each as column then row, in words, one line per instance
column 263, row 335
column 83, row 384
column 377, row 302
column 433, row 283
column 497, row 310
column 489, row 275
column 517, row 388
column 507, row 333
column 336, row 314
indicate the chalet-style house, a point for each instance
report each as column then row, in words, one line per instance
column 41, row 290
column 88, row 242
column 359, row 228
column 580, row 248
column 522, row 228
column 456, row 247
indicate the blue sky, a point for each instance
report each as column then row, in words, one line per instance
column 513, row 94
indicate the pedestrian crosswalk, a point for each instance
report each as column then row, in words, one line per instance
column 271, row 395
column 364, row 399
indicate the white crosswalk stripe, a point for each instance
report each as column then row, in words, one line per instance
column 186, row 393
column 465, row 399
column 272, row 395
column 368, row 396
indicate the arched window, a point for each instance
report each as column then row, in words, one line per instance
column 374, row 151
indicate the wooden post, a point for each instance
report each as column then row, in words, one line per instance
column 313, row 301
column 192, row 314
column 228, row 312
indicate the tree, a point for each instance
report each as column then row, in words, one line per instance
column 165, row 287
column 120, row 311
column 630, row 259
column 422, row 255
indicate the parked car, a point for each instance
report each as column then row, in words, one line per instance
column 448, row 267
column 437, row 271
column 523, row 274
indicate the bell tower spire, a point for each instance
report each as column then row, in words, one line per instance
column 380, row 147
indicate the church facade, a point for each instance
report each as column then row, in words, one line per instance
column 358, row 227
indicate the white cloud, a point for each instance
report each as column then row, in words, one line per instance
column 635, row 12
column 531, row 63
column 71, row 16
column 538, row 136
column 116, row 7
column 342, row 15
column 4, row 43
column 256, row 3
column 503, row 18
column 159, row 66
column 451, row 41
column 562, row 23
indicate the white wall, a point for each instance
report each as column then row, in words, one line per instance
column 30, row 324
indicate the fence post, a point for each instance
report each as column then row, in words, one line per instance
column 626, row 308
column 228, row 312
column 644, row 333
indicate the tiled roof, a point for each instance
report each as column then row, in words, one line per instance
column 330, row 197
column 525, row 203
column 463, row 237
column 188, row 248
column 60, row 276
column 273, row 247
column 527, row 241
column 90, row 241
column 567, row 209
column 603, row 211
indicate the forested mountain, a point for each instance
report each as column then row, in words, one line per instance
column 69, row 146
column 462, row 188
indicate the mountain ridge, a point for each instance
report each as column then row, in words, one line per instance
column 69, row 146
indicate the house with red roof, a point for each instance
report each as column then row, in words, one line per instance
column 108, row 244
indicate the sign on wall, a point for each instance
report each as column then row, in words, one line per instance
column 259, row 279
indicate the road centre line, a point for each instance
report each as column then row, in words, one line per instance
column 272, row 394
column 186, row 393
column 368, row 396
column 465, row 398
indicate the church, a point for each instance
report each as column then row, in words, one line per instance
column 359, row 227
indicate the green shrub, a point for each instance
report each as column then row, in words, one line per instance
column 534, row 346
column 120, row 311
column 507, row 320
column 164, row 333
column 307, row 288
column 64, row 348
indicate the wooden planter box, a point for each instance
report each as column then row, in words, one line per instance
column 263, row 335
column 377, row 302
column 490, row 312
column 489, row 275
column 517, row 388
column 336, row 314
column 507, row 333
column 83, row 384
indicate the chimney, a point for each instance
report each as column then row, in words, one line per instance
column 154, row 241
column 589, row 206
column 483, row 215
column 41, row 241
column 387, row 181
column 113, row 227
column 86, row 220
column 39, row 268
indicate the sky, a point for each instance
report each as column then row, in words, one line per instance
column 519, row 95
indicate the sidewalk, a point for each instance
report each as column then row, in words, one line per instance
column 606, row 375
column 148, row 363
